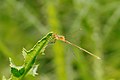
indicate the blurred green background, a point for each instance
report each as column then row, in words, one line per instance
column 91, row 24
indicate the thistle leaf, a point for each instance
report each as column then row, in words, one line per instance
column 24, row 53
column 18, row 72
column 33, row 71
column 15, row 72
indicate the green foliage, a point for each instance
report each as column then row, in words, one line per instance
column 16, row 72
column 30, row 57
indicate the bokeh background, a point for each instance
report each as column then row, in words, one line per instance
column 91, row 24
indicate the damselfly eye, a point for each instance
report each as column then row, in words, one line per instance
column 62, row 38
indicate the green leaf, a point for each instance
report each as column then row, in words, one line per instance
column 18, row 72
column 39, row 47
column 15, row 72
column 22, row 70
column 33, row 71
column 24, row 51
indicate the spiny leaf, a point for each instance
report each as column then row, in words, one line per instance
column 30, row 55
column 11, row 63
column 16, row 72
column 24, row 51
column 33, row 71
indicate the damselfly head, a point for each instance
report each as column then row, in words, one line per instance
column 59, row 37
